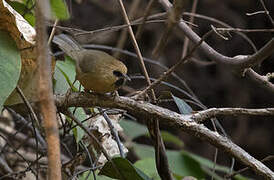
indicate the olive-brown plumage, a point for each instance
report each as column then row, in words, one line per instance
column 95, row 70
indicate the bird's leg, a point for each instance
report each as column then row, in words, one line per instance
column 114, row 94
column 70, row 90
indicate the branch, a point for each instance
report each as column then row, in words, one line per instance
column 135, row 44
column 172, row 69
column 263, row 81
column 44, row 86
column 209, row 113
column 237, row 62
column 174, row 17
column 183, row 122
column 191, row 20
column 145, row 16
column 267, row 13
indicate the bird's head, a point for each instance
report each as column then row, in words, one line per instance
column 122, row 78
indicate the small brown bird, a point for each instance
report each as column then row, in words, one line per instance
column 95, row 70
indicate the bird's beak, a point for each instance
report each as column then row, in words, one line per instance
column 126, row 77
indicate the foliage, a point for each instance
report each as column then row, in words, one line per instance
column 59, row 9
column 10, row 66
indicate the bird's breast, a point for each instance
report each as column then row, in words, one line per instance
column 97, row 83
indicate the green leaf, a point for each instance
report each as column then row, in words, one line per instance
column 179, row 164
column 30, row 18
column 133, row 129
column 78, row 132
column 210, row 165
column 125, row 168
column 84, row 175
column 183, row 163
column 148, row 166
column 64, row 75
column 183, row 107
column 25, row 10
column 205, row 162
column 168, row 137
column 59, row 9
column 10, row 66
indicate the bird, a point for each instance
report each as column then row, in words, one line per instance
column 95, row 70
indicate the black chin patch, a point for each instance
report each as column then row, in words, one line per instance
column 120, row 82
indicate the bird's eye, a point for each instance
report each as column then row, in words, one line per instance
column 118, row 74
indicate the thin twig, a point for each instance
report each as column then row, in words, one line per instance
column 111, row 28
column 267, row 13
column 268, row 158
column 174, row 17
column 134, row 42
column 236, row 62
column 211, row 19
column 19, row 118
column 213, row 112
column 145, row 16
column 124, row 35
column 186, row 40
column 168, row 72
column 244, row 30
column 53, row 31
column 16, row 152
column 255, row 13
column 113, row 132
column 153, row 124
column 92, row 164
column 92, row 136
column 30, row 109
column 34, row 121
column 196, row 101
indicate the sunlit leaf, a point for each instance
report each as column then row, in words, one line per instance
column 59, row 9
column 125, row 169
column 24, row 10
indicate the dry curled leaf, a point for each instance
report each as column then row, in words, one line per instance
column 103, row 134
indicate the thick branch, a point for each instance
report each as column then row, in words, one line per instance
column 184, row 122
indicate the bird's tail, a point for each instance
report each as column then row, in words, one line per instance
column 68, row 45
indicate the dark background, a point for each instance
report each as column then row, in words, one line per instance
column 215, row 85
